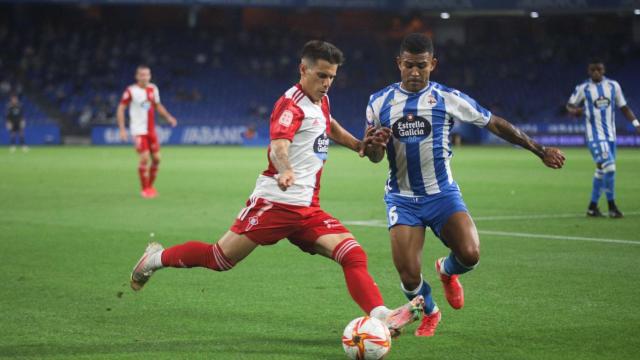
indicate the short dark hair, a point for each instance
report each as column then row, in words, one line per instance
column 416, row 43
column 315, row 50
column 142, row 66
column 596, row 60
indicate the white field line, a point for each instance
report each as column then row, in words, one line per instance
column 557, row 237
column 538, row 216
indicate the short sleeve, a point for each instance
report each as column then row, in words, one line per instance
column 577, row 97
column 286, row 119
column 156, row 94
column 372, row 118
column 126, row 97
column 620, row 100
column 463, row 108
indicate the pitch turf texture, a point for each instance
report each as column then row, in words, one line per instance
column 72, row 224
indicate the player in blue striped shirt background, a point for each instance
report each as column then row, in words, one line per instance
column 597, row 99
column 418, row 115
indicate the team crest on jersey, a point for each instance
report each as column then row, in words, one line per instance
column 286, row 118
column 602, row 102
column 431, row 100
column 411, row 129
column 321, row 146
column 146, row 105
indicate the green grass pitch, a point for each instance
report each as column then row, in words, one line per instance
column 72, row 224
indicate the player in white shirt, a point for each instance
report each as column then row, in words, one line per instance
column 420, row 190
column 143, row 99
column 285, row 202
column 597, row 98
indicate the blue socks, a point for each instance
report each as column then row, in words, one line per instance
column 598, row 182
column 452, row 266
column 425, row 290
column 609, row 184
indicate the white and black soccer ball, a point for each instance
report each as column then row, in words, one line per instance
column 366, row 338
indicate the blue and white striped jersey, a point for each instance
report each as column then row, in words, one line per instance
column 418, row 151
column 600, row 102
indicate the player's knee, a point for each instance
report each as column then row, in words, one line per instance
column 144, row 159
column 609, row 167
column 598, row 174
column 349, row 254
column 469, row 255
column 155, row 158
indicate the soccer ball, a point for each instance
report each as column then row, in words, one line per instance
column 366, row 338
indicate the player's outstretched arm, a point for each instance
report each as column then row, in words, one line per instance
column 341, row 136
column 550, row 156
column 165, row 114
column 628, row 113
column 120, row 117
column 279, row 155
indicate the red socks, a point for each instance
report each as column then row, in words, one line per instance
column 362, row 288
column 153, row 172
column 197, row 254
column 142, row 172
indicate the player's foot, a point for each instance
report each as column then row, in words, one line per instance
column 404, row 315
column 147, row 193
column 152, row 191
column 615, row 213
column 25, row 148
column 429, row 324
column 452, row 288
column 12, row 149
column 143, row 269
column 595, row 212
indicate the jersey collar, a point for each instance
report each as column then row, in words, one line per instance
column 398, row 86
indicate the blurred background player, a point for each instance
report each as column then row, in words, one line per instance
column 15, row 123
column 597, row 99
column 143, row 98
column 420, row 190
column 285, row 202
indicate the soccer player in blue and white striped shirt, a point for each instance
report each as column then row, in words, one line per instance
column 600, row 97
column 420, row 191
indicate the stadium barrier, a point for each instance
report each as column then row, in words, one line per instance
column 188, row 135
column 35, row 135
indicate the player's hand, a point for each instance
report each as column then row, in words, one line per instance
column 123, row 135
column 576, row 111
column 374, row 137
column 286, row 179
column 553, row 158
column 8, row 126
column 172, row 121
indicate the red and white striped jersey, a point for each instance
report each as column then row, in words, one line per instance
column 142, row 103
column 295, row 117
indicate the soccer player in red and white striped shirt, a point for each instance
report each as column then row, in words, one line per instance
column 143, row 99
column 285, row 202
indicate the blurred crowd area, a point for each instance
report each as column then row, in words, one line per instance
column 228, row 65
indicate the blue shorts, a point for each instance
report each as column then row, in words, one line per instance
column 603, row 152
column 431, row 210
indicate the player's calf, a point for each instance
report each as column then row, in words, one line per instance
column 197, row 254
column 353, row 259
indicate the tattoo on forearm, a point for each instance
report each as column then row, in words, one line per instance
column 280, row 159
column 516, row 136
